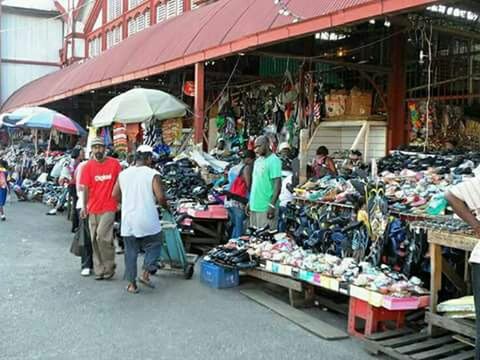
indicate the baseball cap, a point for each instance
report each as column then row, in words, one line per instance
column 98, row 141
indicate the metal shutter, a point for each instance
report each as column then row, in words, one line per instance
column 140, row 22
column 147, row 18
column 161, row 12
column 132, row 25
column 109, row 39
column 171, row 8
column 117, row 35
column 193, row 4
column 179, row 7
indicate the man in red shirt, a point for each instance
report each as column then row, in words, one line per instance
column 98, row 177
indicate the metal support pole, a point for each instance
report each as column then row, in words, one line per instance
column 199, row 102
column 397, row 129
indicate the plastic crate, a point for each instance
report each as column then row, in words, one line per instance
column 217, row 276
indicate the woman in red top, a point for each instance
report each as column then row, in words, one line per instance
column 239, row 193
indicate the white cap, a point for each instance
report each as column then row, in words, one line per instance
column 283, row 146
column 145, row 149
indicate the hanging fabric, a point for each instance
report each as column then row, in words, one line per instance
column 105, row 134
column 120, row 143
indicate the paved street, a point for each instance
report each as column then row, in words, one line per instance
column 47, row 311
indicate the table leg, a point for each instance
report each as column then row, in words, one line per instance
column 435, row 278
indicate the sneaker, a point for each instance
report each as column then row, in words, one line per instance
column 85, row 272
column 52, row 212
column 3, row 218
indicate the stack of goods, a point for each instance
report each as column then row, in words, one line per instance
column 350, row 103
column 182, row 180
column 172, row 131
column 413, row 183
column 462, row 308
column 120, row 140
column 416, row 183
column 346, row 271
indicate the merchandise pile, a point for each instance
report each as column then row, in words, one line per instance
column 347, row 271
column 29, row 174
column 413, row 183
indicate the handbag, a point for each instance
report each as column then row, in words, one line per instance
column 78, row 243
column 239, row 189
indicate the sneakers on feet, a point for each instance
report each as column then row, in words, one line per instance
column 3, row 218
column 85, row 272
column 52, row 212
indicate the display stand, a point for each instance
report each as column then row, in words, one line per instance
column 439, row 267
column 367, row 134
column 207, row 226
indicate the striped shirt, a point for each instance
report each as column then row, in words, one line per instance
column 469, row 192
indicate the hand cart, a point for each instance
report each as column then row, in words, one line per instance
column 173, row 256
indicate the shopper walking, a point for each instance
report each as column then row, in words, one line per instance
column 78, row 155
column 98, row 179
column 464, row 199
column 266, row 185
column 139, row 189
column 4, row 188
column 87, row 253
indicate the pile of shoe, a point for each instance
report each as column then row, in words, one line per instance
column 181, row 179
column 383, row 279
column 329, row 189
column 236, row 253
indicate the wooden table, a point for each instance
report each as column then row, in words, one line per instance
column 439, row 267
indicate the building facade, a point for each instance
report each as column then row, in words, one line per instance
column 112, row 21
column 30, row 43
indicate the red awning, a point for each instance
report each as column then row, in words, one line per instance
column 219, row 29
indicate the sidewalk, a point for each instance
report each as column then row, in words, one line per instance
column 49, row 312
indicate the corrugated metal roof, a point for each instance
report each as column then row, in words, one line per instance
column 219, row 29
column 46, row 5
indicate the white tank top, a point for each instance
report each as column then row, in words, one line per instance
column 139, row 211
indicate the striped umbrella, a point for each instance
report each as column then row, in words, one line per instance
column 48, row 119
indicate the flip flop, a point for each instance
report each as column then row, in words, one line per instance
column 135, row 291
column 146, row 283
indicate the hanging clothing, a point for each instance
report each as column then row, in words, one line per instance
column 120, row 138
column 105, row 134
column 152, row 133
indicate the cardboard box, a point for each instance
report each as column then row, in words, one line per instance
column 409, row 303
column 359, row 103
column 335, row 104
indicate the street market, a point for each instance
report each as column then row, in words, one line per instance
column 334, row 166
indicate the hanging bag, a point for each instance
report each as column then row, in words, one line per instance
column 239, row 189
column 79, row 239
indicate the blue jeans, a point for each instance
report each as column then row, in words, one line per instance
column 237, row 217
column 152, row 245
column 282, row 224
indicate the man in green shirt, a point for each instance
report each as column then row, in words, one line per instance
column 266, row 185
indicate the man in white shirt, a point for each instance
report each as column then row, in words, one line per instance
column 138, row 189
column 285, row 197
column 464, row 198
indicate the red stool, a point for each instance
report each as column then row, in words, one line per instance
column 374, row 317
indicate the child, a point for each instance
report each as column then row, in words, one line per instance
column 3, row 188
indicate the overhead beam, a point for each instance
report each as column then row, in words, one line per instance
column 363, row 67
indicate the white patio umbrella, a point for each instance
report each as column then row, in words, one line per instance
column 140, row 105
